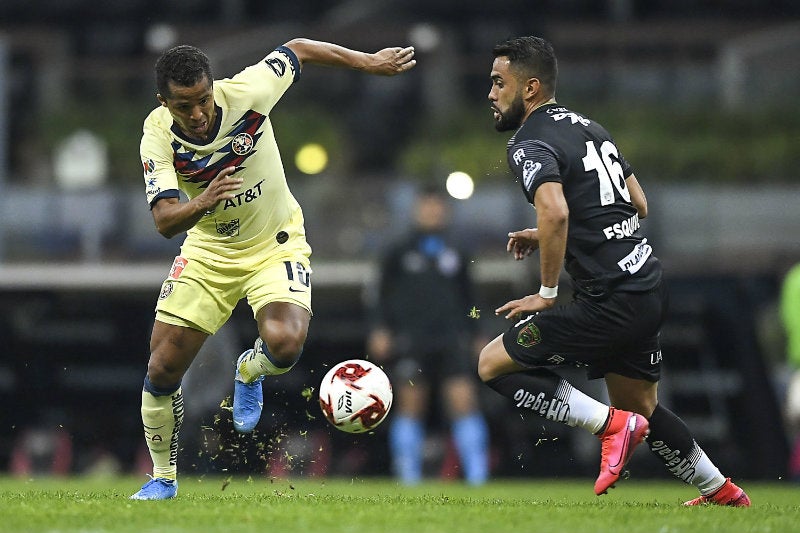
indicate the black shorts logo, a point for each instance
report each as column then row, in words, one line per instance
column 529, row 336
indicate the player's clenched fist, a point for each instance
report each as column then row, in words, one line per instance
column 222, row 187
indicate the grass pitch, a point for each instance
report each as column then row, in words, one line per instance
column 233, row 505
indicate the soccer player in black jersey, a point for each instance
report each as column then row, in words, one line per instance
column 588, row 205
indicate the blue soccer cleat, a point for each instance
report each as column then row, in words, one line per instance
column 158, row 488
column 248, row 399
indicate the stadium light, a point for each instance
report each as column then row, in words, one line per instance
column 311, row 158
column 460, row 185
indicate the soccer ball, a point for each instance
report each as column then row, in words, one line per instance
column 355, row 396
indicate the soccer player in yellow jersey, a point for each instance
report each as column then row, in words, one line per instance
column 212, row 139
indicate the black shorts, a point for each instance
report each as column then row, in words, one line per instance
column 619, row 334
column 433, row 364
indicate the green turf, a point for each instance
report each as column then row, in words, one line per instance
column 231, row 505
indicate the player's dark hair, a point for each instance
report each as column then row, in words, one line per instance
column 183, row 65
column 531, row 57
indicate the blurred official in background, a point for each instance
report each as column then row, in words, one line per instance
column 423, row 334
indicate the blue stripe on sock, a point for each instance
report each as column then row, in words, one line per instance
column 263, row 349
column 158, row 391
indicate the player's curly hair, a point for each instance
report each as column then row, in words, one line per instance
column 183, row 65
column 531, row 57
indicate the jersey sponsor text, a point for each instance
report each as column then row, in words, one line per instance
column 626, row 228
column 636, row 259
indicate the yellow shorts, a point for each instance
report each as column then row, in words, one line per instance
column 201, row 296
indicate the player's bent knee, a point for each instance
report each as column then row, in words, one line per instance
column 163, row 376
column 486, row 370
column 281, row 353
column 494, row 361
column 285, row 343
column 285, row 351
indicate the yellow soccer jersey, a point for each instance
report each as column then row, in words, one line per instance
column 264, row 215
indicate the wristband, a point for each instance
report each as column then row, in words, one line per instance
column 548, row 292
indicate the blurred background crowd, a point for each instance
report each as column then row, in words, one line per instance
column 702, row 98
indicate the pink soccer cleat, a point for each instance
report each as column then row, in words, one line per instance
column 623, row 433
column 728, row 494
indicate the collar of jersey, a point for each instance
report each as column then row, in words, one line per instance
column 544, row 105
column 212, row 135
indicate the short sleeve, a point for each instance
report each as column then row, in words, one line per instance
column 533, row 163
column 156, row 156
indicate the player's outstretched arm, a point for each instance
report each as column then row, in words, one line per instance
column 386, row 62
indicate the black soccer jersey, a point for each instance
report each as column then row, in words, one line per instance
column 605, row 246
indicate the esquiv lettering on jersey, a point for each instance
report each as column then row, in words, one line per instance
column 623, row 229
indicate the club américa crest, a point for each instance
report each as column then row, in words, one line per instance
column 242, row 143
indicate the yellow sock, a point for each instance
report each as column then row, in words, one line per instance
column 258, row 364
column 162, row 417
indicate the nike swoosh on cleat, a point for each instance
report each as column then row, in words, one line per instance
column 624, row 451
column 292, row 289
column 620, row 459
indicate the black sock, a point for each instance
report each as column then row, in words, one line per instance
column 520, row 386
column 672, row 442
column 547, row 394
